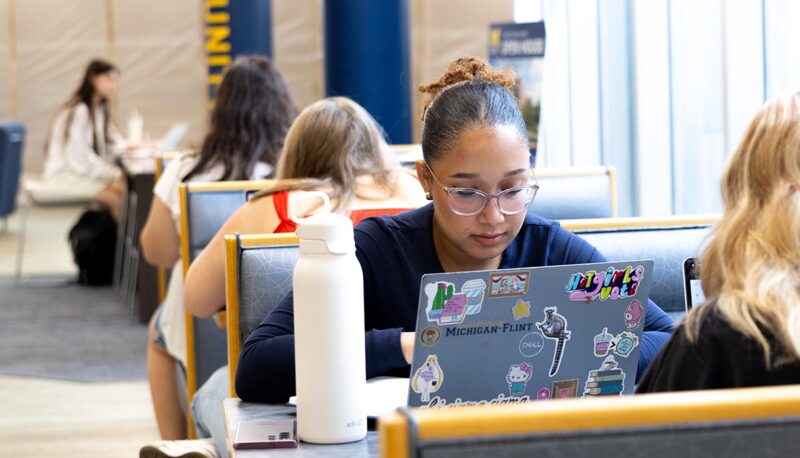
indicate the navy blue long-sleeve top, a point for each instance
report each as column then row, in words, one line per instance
column 394, row 252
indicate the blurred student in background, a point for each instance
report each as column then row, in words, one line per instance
column 748, row 331
column 82, row 142
column 252, row 112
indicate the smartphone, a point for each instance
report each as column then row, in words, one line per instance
column 692, row 287
column 255, row 434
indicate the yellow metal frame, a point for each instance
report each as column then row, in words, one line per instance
column 233, row 246
column 183, row 192
column 565, row 415
column 639, row 222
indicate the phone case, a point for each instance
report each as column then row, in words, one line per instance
column 255, row 434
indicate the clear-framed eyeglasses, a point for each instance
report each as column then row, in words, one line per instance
column 470, row 202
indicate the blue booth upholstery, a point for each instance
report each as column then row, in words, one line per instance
column 576, row 193
column 668, row 246
column 204, row 209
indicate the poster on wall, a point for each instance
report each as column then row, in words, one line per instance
column 521, row 48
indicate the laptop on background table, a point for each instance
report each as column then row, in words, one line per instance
column 501, row 336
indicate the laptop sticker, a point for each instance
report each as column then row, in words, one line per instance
column 633, row 314
column 608, row 284
column 554, row 326
column 602, row 343
column 445, row 306
column 430, row 335
column 509, row 284
column 563, row 389
column 428, row 378
column 474, row 290
column 531, row 344
column 543, row 394
column 624, row 343
column 608, row 380
column 518, row 377
column 521, row 310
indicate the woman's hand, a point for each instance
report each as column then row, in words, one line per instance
column 407, row 345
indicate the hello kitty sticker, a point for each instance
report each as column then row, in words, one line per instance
column 428, row 378
column 554, row 326
column 608, row 284
column 518, row 377
column 445, row 306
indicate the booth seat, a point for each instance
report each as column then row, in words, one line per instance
column 668, row 241
column 741, row 422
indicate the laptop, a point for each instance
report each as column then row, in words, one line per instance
column 173, row 137
column 516, row 335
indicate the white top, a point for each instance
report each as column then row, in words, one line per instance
column 172, row 319
column 76, row 156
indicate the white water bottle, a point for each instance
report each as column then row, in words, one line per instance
column 330, row 366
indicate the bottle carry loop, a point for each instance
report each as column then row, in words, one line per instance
column 294, row 196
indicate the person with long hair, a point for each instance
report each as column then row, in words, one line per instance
column 251, row 115
column 476, row 171
column 747, row 333
column 333, row 146
column 82, row 141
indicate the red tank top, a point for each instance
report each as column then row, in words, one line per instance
column 281, row 201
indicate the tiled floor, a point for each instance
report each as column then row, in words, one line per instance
column 42, row 417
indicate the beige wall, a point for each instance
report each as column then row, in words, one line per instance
column 159, row 46
column 46, row 45
column 442, row 30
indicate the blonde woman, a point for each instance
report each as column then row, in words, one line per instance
column 335, row 146
column 748, row 331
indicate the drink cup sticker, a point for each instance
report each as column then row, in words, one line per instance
column 521, row 309
column 517, row 378
column 633, row 314
column 428, row 378
column 474, row 290
column 608, row 380
column 543, row 394
column 430, row 335
column 602, row 343
column 509, row 284
column 554, row 327
column 563, row 389
column 624, row 343
column 531, row 344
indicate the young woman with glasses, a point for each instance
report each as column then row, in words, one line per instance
column 476, row 170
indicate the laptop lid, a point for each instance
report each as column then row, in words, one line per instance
column 173, row 137
column 514, row 335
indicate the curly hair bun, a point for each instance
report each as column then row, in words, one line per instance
column 467, row 69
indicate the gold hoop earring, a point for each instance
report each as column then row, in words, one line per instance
column 428, row 195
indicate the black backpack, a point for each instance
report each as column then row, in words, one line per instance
column 93, row 241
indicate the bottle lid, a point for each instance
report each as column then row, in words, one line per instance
column 335, row 232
